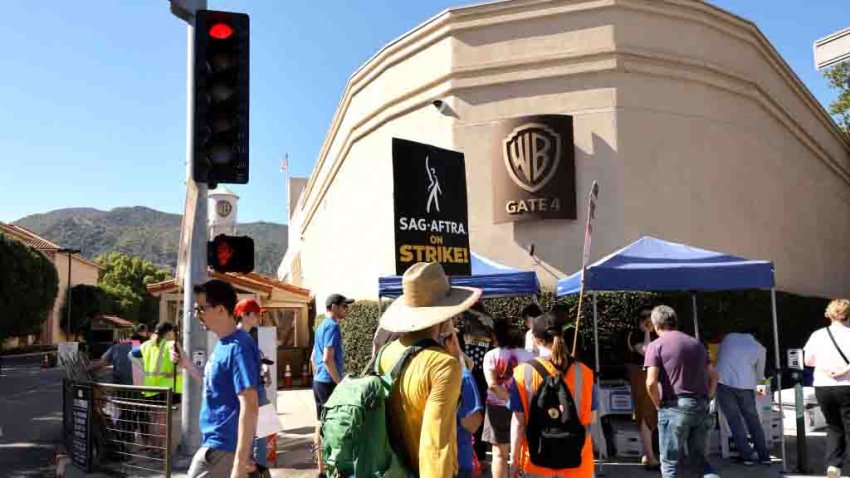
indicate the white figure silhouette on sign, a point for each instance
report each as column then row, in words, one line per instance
column 434, row 190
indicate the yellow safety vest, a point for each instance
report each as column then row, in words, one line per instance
column 159, row 370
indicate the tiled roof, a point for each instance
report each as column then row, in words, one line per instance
column 250, row 280
column 28, row 237
column 37, row 242
column 115, row 321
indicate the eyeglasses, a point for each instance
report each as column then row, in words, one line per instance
column 199, row 310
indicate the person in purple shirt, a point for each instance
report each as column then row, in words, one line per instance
column 679, row 365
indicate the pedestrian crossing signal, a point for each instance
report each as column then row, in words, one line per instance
column 231, row 253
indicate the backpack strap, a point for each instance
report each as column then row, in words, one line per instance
column 408, row 354
column 539, row 367
column 831, row 337
column 578, row 379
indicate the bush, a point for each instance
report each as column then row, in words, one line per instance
column 719, row 313
column 28, row 287
column 358, row 328
column 87, row 301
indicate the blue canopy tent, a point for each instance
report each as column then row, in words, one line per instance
column 650, row 264
column 494, row 279
column 653, row 264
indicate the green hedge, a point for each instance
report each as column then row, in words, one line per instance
column 358, row 328
column 719, row 313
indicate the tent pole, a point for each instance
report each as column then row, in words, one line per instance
column 596, row 335
column 696, row 317
column 778, row 371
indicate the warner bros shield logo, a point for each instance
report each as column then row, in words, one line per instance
column 532, row 153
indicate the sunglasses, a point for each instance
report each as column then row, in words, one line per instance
column 200, row 310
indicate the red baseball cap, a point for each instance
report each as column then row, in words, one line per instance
column 246, row 306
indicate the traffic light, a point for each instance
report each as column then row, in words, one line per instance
column 231, row 253
column 221, row 98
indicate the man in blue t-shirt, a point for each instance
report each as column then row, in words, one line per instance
column 328, row 360
column 231, row 377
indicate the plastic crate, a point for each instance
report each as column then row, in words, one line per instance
column 627, row 443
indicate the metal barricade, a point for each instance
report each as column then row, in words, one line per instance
column 131, row 431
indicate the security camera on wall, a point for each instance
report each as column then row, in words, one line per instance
column 443, row 107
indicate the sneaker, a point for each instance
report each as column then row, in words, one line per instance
column 766, row 461
column 833, row 472
column 748, row 462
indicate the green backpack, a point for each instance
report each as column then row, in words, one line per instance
column 354, row 422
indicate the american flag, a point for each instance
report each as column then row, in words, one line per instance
column 284, row 164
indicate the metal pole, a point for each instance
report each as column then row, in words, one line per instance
column 602, row 459
column 70, row 252
column 169, row 397
column 778, row 373
column 69, row 295
column 194, row 337
column 596, row 335
column 696, row 317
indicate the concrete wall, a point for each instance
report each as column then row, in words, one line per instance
column 347, row 230
column 694, row 127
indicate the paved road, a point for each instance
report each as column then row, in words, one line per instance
column 30, row 417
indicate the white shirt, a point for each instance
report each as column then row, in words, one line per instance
column 501, row 362
column 532, row 347
column 740, row 361
column 821, row 351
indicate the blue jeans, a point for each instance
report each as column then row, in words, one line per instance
column 258, row 452
column 683, row 423
column 739, row 407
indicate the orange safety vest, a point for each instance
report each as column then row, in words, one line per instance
column 579, row 379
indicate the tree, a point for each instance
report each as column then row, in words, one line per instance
column 28, row 286
column 87, row 302
column 839, row 78
column 124, row 278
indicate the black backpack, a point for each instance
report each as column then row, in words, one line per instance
column 554, row 432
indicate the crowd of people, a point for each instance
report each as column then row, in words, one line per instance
column 473, row 383
column 479, row 386
column 464, row 383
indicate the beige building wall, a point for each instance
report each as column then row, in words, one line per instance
column 82, row 272
column 694, row 127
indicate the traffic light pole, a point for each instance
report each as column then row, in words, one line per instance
column 195, row 229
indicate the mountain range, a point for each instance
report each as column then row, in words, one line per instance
column 147, row 233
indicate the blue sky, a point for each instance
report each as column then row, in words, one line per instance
column 92, row 94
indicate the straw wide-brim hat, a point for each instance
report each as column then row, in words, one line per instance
column 427, row 299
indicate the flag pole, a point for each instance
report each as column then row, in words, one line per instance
column 284, row 168
column 585, row 257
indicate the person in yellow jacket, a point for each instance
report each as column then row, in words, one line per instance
column 548, row 334
column 154, row 357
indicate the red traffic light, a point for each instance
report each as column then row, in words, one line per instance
column 221, row 31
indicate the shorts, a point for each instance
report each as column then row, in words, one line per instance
column 210, row 463
column 321, row 393
column 497, row 425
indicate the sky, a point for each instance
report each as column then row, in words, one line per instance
column 93, row 94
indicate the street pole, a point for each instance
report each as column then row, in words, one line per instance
column 194, row 225
column 70, row 252
column 68, row 299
